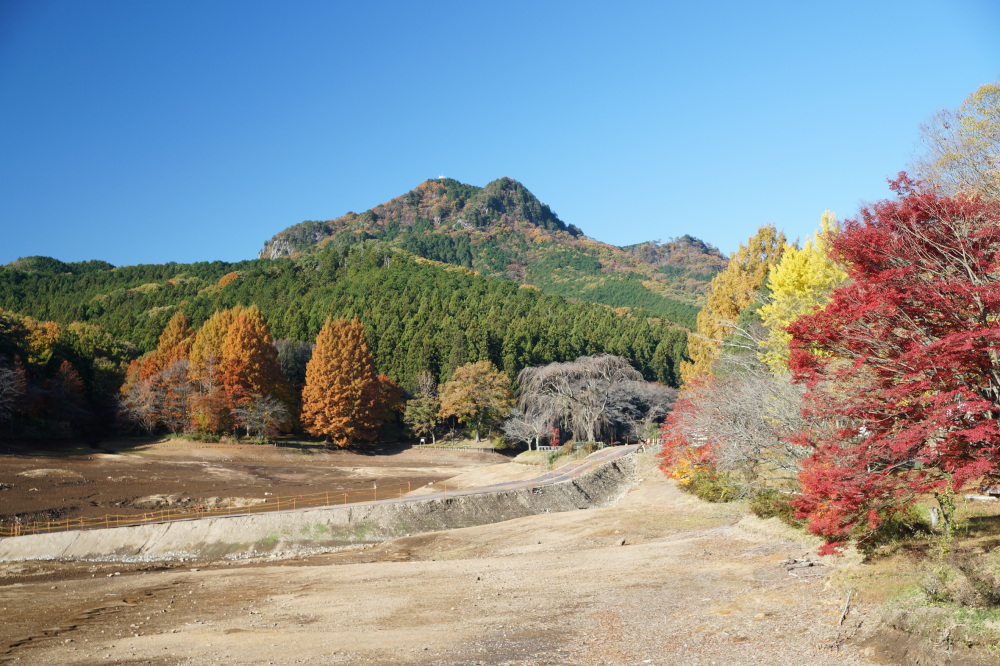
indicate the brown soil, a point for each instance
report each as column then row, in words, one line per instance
column 171, row 474
column 661, row 578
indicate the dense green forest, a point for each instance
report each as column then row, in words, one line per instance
column 418, row 316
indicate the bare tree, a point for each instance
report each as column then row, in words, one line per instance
column 426, row 384
column 12, row 388
column 589, row 396
column 749, row 418
column 523, row 427
column 261, row 415
column 641, row 405
column 176, row 393
column 141, row 404
column 961, row 147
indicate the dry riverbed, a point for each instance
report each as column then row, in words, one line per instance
column 661, row 578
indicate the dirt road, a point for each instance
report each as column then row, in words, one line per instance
column 693, row 584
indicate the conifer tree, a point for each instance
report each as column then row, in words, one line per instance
column 175, row 341
column 249, row 360
column 731, row 291
column 211, row 337
column 342, row 396
column 209, row 412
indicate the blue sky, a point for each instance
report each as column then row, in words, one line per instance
column 147, row 132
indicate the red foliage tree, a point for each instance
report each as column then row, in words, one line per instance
column 905, row 359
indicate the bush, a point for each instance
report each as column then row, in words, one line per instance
column 897, row 527
column 774, row 504
column 204, row 437
column 710, row 486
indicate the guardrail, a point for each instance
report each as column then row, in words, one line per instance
column 464, row 449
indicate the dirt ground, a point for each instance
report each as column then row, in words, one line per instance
column 660, row 578
column 91, row 483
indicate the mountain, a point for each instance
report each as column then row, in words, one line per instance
column 503, row 230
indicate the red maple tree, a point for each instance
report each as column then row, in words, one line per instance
column 905, row 360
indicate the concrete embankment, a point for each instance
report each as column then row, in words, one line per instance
column 328, row 527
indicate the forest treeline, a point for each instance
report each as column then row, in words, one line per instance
column 417, row 316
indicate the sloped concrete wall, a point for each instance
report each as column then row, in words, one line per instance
column 329, row 527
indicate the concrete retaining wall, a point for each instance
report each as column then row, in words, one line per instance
column 330, row 527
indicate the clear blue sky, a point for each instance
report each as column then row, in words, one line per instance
column 146, row 132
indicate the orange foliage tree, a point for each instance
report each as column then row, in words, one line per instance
column 250, row 361
column 208, row 400
column 477, row 394
column 342, row 398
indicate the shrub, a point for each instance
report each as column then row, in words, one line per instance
column 774, row 504
column 710, row 486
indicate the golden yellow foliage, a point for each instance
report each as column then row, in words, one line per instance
column 800, row 283
column 731, row 291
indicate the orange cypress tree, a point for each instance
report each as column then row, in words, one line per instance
column 175, row 341
column 209, row 412
column 342, row 398
column 171, row 380
column 249, row 360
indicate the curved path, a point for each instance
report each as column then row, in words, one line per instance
column 570, row 470
column 337, row 524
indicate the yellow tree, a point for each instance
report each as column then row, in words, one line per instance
column 731, row 291
column 342, row 398
column 209, row 412
column 477, row 394
column 211, row 337
column 962, row 147
column 800, row 283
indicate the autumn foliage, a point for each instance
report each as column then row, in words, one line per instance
column 908, row 362
column 343, row 397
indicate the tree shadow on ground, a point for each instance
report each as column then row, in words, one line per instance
column 64, row 448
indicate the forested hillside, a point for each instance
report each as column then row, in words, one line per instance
column 418, row 315
column 502, row 230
